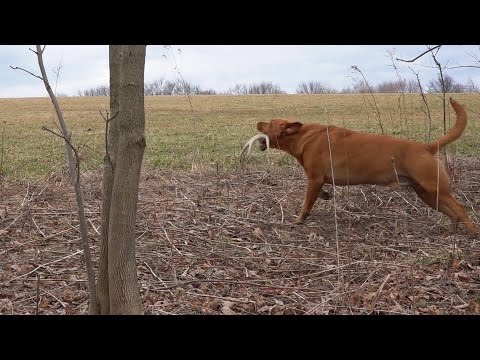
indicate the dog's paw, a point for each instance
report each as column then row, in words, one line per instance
column 297, row 221
column 300, row 219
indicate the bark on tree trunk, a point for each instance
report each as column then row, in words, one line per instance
column 118, row 290
column 108, row 178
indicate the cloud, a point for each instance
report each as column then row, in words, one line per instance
column 220, row 67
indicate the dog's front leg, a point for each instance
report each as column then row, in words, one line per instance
column 313, row 189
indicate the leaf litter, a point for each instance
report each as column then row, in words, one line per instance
column 225, row 243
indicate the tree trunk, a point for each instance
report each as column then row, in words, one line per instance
column 118, row 291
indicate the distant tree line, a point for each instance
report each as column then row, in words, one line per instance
column 179, row 87
column 98, row 91
column 396, row 86
column 264, row 87
column 156, row 87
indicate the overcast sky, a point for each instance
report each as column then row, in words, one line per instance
column 220, row 67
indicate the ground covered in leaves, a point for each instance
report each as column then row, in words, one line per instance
column 210, row 243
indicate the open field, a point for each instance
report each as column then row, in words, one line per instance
column 214, row 132
column 216, row 237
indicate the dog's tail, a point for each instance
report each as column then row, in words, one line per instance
column 455, row 132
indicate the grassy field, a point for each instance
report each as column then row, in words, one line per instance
column 213, row 133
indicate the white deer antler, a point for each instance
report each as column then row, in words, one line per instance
column 249, row 143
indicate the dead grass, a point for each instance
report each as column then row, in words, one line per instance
column 213, row 135
column 224, row 243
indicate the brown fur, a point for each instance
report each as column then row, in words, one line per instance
column 360, row 158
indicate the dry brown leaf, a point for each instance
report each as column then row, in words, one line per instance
column 265, row 309
column 226, row 308
column 179, row 293
column 15, row 267
column 474, row 307
column 321, row 311
column 258, row 232
column 150, row 298
column 277, row 310
column 215, row 305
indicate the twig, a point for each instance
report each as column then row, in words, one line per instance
column 463, row 66
column 424, row 99
column 19, row 68
column 42, row 266
column 402, row 84
column 34, row 223
column 93, row 227
column 67, row 140
column 107, row 121
column 37, row 301
column 14, row 221
column 153, row 273
column 2, row 151
column 419, row 56
column 281, row 210
column 170, row 241
column 343, row 293
column 227, row 281
column 475, row 112
column 442, row 81
column 468, row 201
column 227, row 298
column 380, row 290
column 377, row 112
column 334, row 203
column 64, row 305
column 48, row 237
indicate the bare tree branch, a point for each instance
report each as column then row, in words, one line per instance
column 77, row 165
column 442, row 81
column 463, row 66
column 106, row 118
column 19, row 68
column 426, row 104
column 107, row 121
column 472, row 55
column 74, row 178
column 475, row 112
column 377, row 112
column 419, row 56
column 401, row 81
column 57, row 74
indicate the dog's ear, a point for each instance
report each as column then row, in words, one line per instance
column 292, row 128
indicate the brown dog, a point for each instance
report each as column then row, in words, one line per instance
column 360, row 158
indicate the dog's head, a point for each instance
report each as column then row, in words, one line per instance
column 279, row 131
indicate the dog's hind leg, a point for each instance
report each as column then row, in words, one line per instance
column 431, row 200
column 429, row 177
column 313, row 190
column 448, row 201
column 447, row 205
